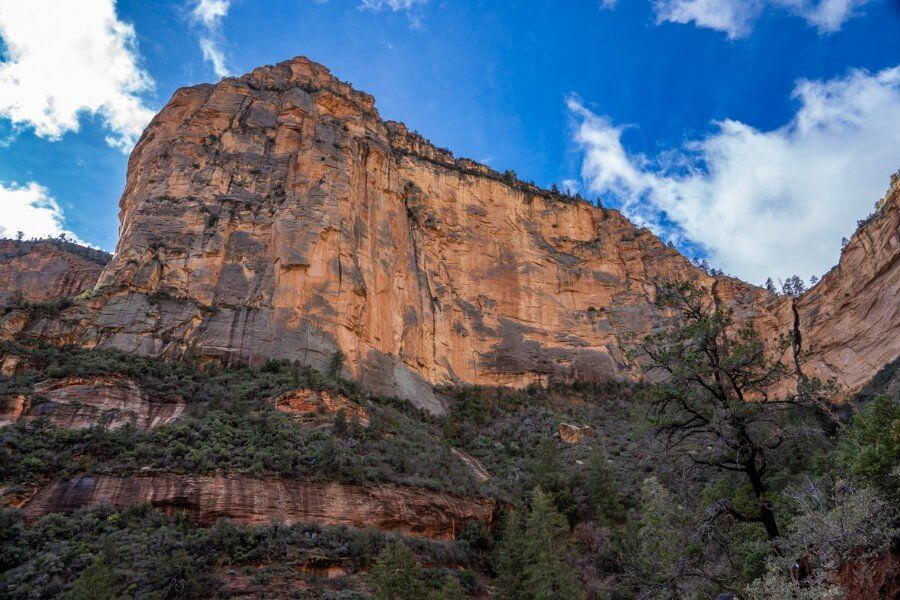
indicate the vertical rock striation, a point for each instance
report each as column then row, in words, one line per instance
column 277, row 215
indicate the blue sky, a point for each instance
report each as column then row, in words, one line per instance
column 752, row 132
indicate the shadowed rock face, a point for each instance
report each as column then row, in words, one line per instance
column 81, row 402
column 277, row 215
column 45, row 271
column 248, row 501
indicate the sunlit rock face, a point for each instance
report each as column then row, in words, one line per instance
column 277, row 215
column 250, row 501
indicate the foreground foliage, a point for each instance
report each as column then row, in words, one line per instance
column 644, row 506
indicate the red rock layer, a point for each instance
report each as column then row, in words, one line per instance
column 410, row 511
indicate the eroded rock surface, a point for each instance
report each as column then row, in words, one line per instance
column 79, row 402
column 277, row 215
column 572, row 433
column 249, row 501
column 45, row 270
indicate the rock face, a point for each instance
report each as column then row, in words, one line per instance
column 320, row 407
column 850, row 320
column 277, row 215
column 47, row 270
column 78, row 402
column 248, row 501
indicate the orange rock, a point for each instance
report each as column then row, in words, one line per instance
column 572, row 434
column 320, row 406
column 276, row 215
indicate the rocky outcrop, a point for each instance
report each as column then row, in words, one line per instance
column 80, row 402
column 406, row 510
column 479, row 471
column 320, row 407
column 571, row 433
column 277, row 215
column 874, row 579
column 46, row 270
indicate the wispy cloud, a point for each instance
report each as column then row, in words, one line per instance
column 30, row 209
column 208, row 15
column 736, row 17
column 410, row 7
column 69, row 58
column 760, row 203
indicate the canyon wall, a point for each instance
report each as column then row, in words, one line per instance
column 249, row 501
column 277, row 215
column 850, row 321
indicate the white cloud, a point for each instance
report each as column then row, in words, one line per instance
column 69, row 58
column 761, row 203
column 608, row 4
column 570, row 186
column 734, row 17
column 407, row 6
column 395, row 5
column 208, row 14
column 737, row 17
column 31, row 210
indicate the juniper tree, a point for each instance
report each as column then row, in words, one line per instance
column 718, row 398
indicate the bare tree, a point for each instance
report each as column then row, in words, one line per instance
column 719, row 398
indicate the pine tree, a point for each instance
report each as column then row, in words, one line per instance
column 548, row 575
column 509, row 560
column 531, row 561
column 97, row 582
column 397, row 575
column 602, row 490
column 451, row 590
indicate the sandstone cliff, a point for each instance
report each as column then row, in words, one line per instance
column 46, row 270
column 84, row 402
column 249, row 501
column 851, row 318
column 277, row 215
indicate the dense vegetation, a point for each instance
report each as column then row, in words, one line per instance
column 711, row 480
column 229, row 426
column 142, row 553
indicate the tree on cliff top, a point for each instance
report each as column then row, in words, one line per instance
column 717, row 396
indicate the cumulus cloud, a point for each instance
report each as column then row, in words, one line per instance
column 736, row 17
column 64, row 59
column 760, row 203
column 31, row 210
column 208, row 14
